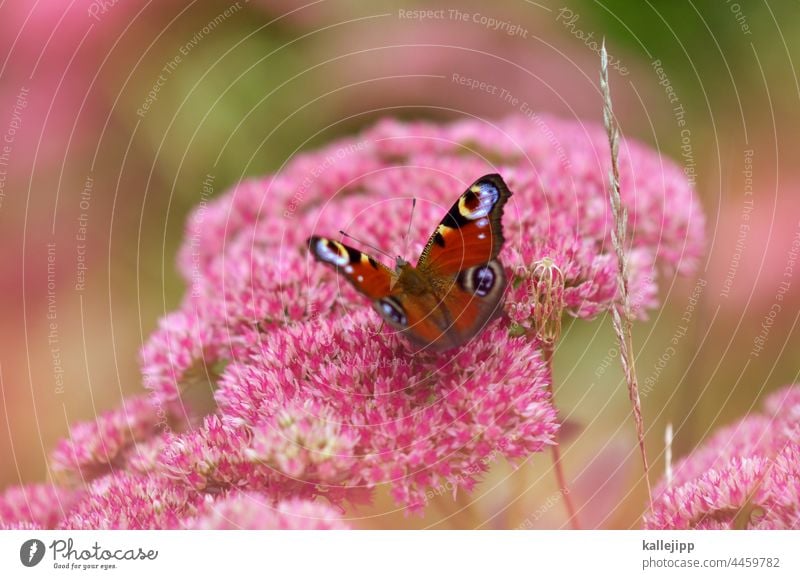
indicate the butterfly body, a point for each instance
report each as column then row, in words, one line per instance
column 458, row 284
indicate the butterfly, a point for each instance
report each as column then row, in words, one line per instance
column 458, row 284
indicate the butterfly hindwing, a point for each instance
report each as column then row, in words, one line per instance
column 368, row 276
column 475, row 299
column 451, row 314
column 460, row 261
column 471, row 233
column 418, row 317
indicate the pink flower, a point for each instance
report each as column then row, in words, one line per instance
column 589, row 279
column 306, row 442
column 128, row 501
column 208, row 459
column 254, row 284
column 367, row 412
column 38, row 506
column 556, row 170
column 317, row 402
column 317, row 411
column 746, row 476
column 255, row 511
column 185, row 343
column 94, row 448
column 244, row 256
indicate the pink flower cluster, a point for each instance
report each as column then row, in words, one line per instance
column 146, row 502
column 746, row 476
column 318, row 403
column 343, row 403
column 98, row 447
column 247, row 510
column 35, row 506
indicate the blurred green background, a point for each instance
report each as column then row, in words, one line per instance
column 118, row 111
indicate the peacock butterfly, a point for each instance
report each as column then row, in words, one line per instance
column 458, row 285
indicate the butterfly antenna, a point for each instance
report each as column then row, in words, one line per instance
column 410, row 221
column 365, row 243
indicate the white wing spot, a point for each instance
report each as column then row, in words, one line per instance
column 487, row 197
column 332, row 252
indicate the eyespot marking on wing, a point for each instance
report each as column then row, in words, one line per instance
column 391, row 309
column 482, row 280
column 478, row 201
column 332, row 251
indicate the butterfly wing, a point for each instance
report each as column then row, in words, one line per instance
column 447, row 316
column 368, row 276
column 377, row 282
column 414, row 313
column 458, row 284
column 472, row 231
column 474, row 299
column 460, row 262
column 417, row 316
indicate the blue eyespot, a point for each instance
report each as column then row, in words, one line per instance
column 392, row 311
column 483, row 279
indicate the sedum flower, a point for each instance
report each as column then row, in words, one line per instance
column 247, row 510
column 318, row 403
column 335, row 410
column 382, row 416
column 244, row 261
column 36, row 506
column 747, row 475
column 131, row 501
column 184, row 343
column 96, row 447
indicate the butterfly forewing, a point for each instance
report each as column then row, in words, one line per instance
column 471, row 233
column 369, row 276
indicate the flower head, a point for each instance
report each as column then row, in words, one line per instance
column 746, row 476
column 246, row 266
column 37, row 506
column 130, row 501
column 242, row 510
column 185, row 345
column 95, row 448
column 367, row 411
column 317, row 402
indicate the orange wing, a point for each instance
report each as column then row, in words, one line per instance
column 370, row 277
column 470, row 301
column 472, row 231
